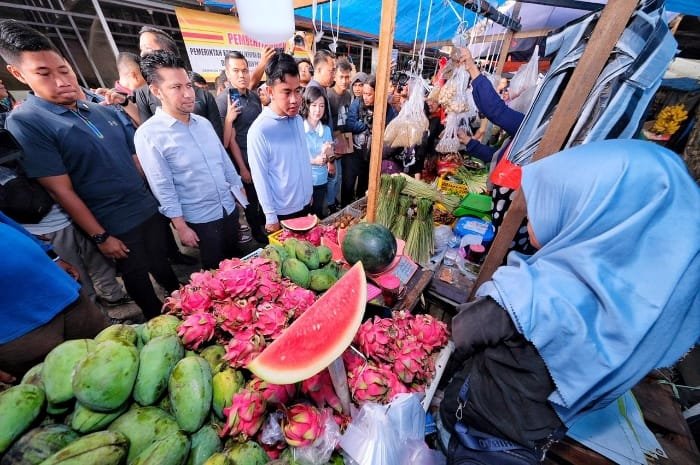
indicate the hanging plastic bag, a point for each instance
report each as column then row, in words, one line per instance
column 321, row 450
column 524, row 84
column 453, row 96
column 449, row 141
column 409, row 126
column 371, row 439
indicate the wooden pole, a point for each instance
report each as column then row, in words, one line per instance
column 381, row 93
column 607, row 31
column 507, row 39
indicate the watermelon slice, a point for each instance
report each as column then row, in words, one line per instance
column 319, row 336
column 337, row 253
column 301, row 224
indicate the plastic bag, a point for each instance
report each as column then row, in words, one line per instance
column 408, row 417
column 272, row 429
column 321, row 450
column 409, row 126
column 524, row 84
column 453, row 96
column 371, row 439
column 418, row 453
column 442, row 237
column 449, row 142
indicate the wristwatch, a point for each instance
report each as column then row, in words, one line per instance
column 100, row 238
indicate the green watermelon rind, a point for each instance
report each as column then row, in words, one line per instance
column 301, row 224
column 319, row 336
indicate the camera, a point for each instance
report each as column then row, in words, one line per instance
column 399, row 79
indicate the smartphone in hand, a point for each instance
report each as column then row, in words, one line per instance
column 234, row 96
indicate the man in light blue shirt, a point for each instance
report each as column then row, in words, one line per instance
column 277, row 151
column 186, row 166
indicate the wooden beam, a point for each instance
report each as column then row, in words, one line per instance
column 505, row 46
column 495, row 37
column 304, row 3
column 381, row 93
column 607, row 31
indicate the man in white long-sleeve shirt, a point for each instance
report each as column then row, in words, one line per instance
column 277, row 153
column 186, row 166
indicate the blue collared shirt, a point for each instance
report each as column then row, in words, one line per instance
column 94, row 149
column 315, row 138
column 187, row 168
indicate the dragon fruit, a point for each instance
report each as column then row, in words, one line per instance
column 353, row 360
column 245, row 415
column 264, row 267
column 215, row 287
column 173, row 303
column 342, row 421
column 194, row 300
column 394, row 383
column 320, row 389
column 369, row 384
column 296, row 300
column 274, row 394
column 243, row 347
column 377, row 337
column 429, row 332
column 235, row 316
column 269, row 287
column 197, row 329
column 239, row 282
column 231, row 264
column 303, row 425
column 271, row 321
column 408, row 363
column 199, row 279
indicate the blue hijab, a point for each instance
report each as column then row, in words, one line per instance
column 614, row 292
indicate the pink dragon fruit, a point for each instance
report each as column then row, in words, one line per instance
column 296, row 300
column 314, row 236
column 274, row 394
column 215, row 287
column 173, row 303
column 231, row 264
column 194, row 300
column 303, row 425
column 320, row 389
column 377, row 337
column 243, row 347
column 239, row 282
column 408, row 363
column 352, row 360
column 394, row 384
column 342, row 421
column 430, row 333
column 197, row 329
column 199, row 279
column 271, row 319
column 369, row 384
column 264, row 267
column 245, row 415
column 274, row 451
column 269, row 287
column 235, row 316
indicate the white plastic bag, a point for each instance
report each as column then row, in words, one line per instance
column 418, row 453
column 449, row 142
column 408, row 417
column 524, row 83
column 409, row 126
column 371, row 439
column 453, row 96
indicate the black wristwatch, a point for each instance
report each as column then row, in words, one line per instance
column 100, row 238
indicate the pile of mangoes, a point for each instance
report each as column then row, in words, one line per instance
column 304, row 264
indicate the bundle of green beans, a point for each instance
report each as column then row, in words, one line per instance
column 399, row 228
column 420, row 190
column 419, row 243
column 389, row 199
column 474, row 180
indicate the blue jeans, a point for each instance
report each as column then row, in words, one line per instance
column 334, row 184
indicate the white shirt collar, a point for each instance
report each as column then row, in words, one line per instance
column 318, row 129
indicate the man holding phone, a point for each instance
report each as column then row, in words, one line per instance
column 247, row 107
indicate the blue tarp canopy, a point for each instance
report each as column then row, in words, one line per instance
column 362, row 17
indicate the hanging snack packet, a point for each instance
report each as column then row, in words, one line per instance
column 453, row 95
column 409, row 126
column 449, row 142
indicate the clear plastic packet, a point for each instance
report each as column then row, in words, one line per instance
column 409, row 126
column 524, row 84
column 453, row 96
column 449, row 141
column 321, row 450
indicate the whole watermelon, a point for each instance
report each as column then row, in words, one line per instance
column 370, row 243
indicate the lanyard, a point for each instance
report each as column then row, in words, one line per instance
column 95, row 130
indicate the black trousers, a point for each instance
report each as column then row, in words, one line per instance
column 147, row 244
column 254, row 214
column 218, row 239
column 318, row 204
column 355, row 177
column 303, row 212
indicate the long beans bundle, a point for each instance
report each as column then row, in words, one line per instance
column 387, row 215
column 421, row 190
column 399, row 228
column 383, row 199
column 474, row 180
column 419, row 243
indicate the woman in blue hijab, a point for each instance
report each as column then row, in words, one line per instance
column 612, row 293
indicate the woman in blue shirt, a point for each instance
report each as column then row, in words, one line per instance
column 320, row 143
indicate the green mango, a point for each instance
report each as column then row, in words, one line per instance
column 170, row 450
column 307, row 254
column 156, row 361
column 333, row 268
column 325, row 254
column 205, row 442
column 102, row 447
column 143, row 426
column 162, row 325
column 249, row 453
column 321, row 280
column 33, row 376
column 57, row 372
column 103, row 380
column 84, row 420
column 224, row 385
column 19, row 407
column 219, row 459
column 297, row 272
column 38, row 444
column 281, row 251
column 214, row 355
column 190, row 391
column 290, row 247
column 118, row 332
column 271, row 253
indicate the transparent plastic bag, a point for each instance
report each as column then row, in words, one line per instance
column 409, row 126
column 418, row 453
column 449, row 142
column 407, row 416
column 524, row 84
column 371, row 439
column 272, row 429
column 453, row 96
column 321, row 450
column 442, row 236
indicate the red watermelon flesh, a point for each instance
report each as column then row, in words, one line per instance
column 337, row 253
column 319, row 336
column 301, row 224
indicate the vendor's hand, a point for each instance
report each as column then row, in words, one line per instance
column 113, row 248
column 6, row 378
column 187, row 236
column 467, row 60
column 246, row 177
column 272, row 227
column 463, row 137
column 68, row 268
